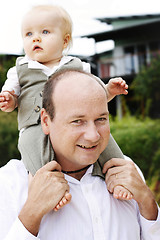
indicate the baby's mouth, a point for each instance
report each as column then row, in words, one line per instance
column 37, row 48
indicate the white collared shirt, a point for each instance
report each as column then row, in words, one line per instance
column 92, row 214
column 12, row 82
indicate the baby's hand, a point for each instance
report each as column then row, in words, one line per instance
column 8, row 102
column 116, row 86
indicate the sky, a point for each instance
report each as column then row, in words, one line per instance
column 83, row 14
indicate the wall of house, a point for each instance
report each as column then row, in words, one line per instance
column 128, row 59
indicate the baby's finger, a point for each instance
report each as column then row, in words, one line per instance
column 3, row 105
column 7, row 95
column 125, row 92
column 123, row 83
column 2, row 98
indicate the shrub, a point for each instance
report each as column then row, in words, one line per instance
column 140, row 140
column 8, row 137
column 147, row 88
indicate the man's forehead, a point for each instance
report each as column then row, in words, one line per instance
column 80, row 100
column 78, row 80
column 100, row 114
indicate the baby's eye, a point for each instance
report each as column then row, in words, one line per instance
column 45, row 31
column 28, row 34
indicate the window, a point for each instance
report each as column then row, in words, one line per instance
column 129, row 60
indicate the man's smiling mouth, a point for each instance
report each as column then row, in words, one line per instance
column 85, row 147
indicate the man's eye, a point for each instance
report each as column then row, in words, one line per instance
column 45, row 31
column 29, row 34
column 77, row 122
column 102, row 119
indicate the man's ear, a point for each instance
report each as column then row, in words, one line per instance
column 45, row 120
column 66, row 40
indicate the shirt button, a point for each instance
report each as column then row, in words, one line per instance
column 86, row 189
column 96, row 220
column 153, row 230
column 37, row 109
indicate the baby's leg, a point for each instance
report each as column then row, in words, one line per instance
column 35, row 148
column 111, row 151
column 122, row 193
column 66, row 199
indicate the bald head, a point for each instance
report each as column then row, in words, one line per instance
column 68, row 83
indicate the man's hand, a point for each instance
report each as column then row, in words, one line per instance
column 116, row 86
column 8, row 101
column 46, row 189
column 123, row 172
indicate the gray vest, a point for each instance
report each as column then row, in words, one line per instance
column 32, row 82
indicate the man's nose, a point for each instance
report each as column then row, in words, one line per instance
column 91, row 133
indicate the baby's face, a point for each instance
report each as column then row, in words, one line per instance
column 43, row 37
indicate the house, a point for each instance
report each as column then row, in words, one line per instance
column 137, row 40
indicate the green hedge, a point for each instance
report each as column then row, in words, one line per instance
column 8, row 137
column 140, row 140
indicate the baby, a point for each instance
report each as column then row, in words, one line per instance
column 46, row 33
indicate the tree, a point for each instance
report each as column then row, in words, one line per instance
column 8, row 137
column 6, row 62
column 146, row 88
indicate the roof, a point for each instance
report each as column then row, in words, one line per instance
column 110, row 20
column 128, row 26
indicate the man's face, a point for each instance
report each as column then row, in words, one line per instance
column 80, row 129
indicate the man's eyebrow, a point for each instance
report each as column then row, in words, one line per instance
column 105, row 113
column 77, row 116
column 82, row 116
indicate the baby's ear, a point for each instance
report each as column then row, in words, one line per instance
column 45, row 119
column 67, row 38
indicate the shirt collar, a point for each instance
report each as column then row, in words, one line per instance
column 36, row 65
column 73, row 180
column 31, row 63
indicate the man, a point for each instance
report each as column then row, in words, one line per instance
column 75, row 115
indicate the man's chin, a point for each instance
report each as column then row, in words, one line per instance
column 89, row 160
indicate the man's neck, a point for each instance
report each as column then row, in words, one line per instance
column 78, row 174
